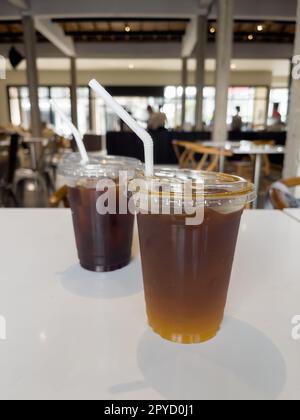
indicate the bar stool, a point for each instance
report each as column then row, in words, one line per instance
column 31, row 185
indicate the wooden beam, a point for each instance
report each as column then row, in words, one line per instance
column 54, row 33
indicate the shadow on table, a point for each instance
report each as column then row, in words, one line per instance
column 116, row 284
column 125, row 282
column 240, row 363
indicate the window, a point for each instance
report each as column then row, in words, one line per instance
column 14, row 106
column 244, row 98
column 208, row 105
column 44, row 104
column 62, row 97
column 93, row 114
column 253, row 104
column 280, row 96
column 106, row 120
column 25, row 106
column 260, row 108
column 251, row 100
column 83, row 108
column 19, row 105
column 172, row 105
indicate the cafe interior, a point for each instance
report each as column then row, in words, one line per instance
column 216, row 84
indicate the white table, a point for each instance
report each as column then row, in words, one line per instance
column 75, row 334
column 294, row 213
column 247, row 148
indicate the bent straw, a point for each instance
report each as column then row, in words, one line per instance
column 135, row 127
column 75, row 132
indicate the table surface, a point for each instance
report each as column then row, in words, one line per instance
column 74, row 334
column 294, row 213
column 246, row 147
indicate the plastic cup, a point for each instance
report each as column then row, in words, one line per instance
column 103, row 241
column 187, row 269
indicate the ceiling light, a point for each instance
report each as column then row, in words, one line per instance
column 127, row 28
column 250, row 37
column 260, row 28
column 212, row 30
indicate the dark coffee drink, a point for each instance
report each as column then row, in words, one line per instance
column 103, row 241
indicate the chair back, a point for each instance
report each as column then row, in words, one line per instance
column 60, row 196
column 181, row 152
column 187, row 153
column 278, row 199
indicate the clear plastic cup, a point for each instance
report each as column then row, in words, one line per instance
column 187, row 268
column 103, row 241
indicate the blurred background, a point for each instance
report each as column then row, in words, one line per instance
column 193, row 70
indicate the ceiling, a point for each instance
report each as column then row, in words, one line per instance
column 106, row 30
column 277, row 67
column 152, row 30
column 119, row 30
column 243, row 9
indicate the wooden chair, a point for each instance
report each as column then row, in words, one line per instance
column 245, row 167
column 277, row 198
column 210, row 156
column 58, row 197
column 181, row 152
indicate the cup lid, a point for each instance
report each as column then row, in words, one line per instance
column 210, row 186
column 98, row 166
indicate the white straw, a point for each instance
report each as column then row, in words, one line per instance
column 75, row 132
column 135, row 127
